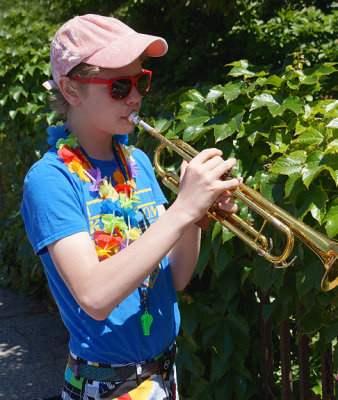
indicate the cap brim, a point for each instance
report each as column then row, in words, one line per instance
column 128, row 49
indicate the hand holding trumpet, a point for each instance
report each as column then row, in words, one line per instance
column 201, row 186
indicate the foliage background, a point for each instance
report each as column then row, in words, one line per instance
column 279, row 120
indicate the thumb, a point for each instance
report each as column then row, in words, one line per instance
column 183, row 167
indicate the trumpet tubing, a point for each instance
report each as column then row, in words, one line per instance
column 325, row 248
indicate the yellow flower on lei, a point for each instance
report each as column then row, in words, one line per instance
column 104, row 253
column 133, row 233
column 107, row 191
column 76, row 167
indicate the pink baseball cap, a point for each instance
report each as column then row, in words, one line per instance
column 98, row 40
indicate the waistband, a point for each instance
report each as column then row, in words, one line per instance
column 138, row 371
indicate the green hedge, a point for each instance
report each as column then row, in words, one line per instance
column 284, row 135
column 279, row 121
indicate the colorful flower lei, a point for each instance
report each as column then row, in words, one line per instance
column 118, row 231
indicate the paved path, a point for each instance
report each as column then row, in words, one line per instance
column 33, row 349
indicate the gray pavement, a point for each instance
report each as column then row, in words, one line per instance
column 33, row 349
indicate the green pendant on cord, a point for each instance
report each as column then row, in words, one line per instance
column 146, row 320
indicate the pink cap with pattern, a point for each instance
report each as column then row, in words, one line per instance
column 97, row 40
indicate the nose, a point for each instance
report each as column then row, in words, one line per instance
column 134, row 96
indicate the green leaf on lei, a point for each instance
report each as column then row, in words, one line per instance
column 128, row 202
column 71, row 141
column 110, row 222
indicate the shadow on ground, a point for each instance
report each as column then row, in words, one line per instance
column 33, row 349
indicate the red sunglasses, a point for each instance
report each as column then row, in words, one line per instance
column 119, row 88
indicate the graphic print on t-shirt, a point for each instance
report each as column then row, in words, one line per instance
column 146, row 215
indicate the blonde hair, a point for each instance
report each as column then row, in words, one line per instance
column 57, row 101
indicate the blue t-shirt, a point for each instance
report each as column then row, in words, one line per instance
column 57, row 203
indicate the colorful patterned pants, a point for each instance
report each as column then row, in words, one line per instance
column 157, row 387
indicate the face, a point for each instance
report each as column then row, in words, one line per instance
column 104, row 115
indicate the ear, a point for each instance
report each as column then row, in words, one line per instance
column 70, row 90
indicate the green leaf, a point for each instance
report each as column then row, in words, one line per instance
column 331, row 331
column 333, row 173
column 222, row 258
column 203, row 258
column 331, row 220
column 199, row 115
column 188, row 359
column 332, row 147
column 217, row 229
column 218, row 367
column 315, row 202
column 294, row 104
column 214, row 93
column 333, row 124
column 309, row 79
column 192, row 95
column 190, row 317
column 232, row 90
column 312, row 167
column 225, row 130
column 293, row 83
column 185, row 110
column 290, row 183
column 308, row 277
column 15, row 92
column 265, row 100
column 273, row 80
column 162, row 125
column 311, row 136
column 243, row 67
column 226, row 234
column 240, row 331
column 278, row 147
column 238, row 364
column 275, row 104
column 330, row 163
column 331, row 106
column 223, row 341
column 272, row 186
column 307, row 111
column 192, row 132
column 46, row 70
column 290, row 164
column 331, row 225
column 268, row 309
column 3, row 100
column 12, row 113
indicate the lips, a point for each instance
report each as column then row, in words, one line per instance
column 126, row 117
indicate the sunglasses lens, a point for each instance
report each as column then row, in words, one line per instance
column 143, row 84
column 120, row 88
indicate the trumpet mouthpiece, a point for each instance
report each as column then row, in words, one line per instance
column 134, row 118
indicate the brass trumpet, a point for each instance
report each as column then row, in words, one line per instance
column 325, row 248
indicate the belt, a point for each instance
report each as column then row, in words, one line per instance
column 129, row 372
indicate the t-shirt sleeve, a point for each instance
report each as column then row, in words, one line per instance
column 51, row 206
column 142, row 158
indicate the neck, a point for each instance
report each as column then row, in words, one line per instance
column 96, row 144
column 97, row 149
